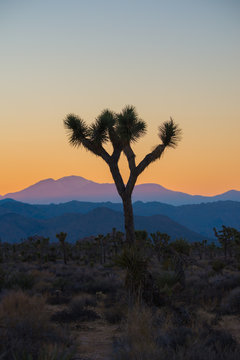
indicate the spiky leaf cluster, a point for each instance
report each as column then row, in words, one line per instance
column 99, row 131
column 170, row 133
column 120, row 129
column 129, row 127
column 135, row 264
column 77, row 129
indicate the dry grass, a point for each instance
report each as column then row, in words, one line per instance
column 139, row 341
column 25, row 327
column 192, row 326
column 139, row 328
column 17, row 305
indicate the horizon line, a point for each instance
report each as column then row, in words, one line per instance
column 112, row 183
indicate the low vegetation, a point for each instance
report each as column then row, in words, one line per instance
column 101, row 299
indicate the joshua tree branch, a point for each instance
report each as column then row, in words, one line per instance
column 131, row 183
column 114, row 138
column 128, row 151
column 96, row 149
column 149, row 158
column 113, row 165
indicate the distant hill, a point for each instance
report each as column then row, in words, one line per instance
column 14, row 227
column 200, row 218
column 77, row 188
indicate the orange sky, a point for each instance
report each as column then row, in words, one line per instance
column 165, row 59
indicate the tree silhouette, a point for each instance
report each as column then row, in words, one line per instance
column 122, row 130
column 226, row 236
column 61, row 237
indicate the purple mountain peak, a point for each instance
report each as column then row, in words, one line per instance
column 78, row 188
column 74, row 180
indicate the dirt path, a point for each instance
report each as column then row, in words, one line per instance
column 95, row 340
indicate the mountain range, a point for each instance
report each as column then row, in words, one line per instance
column 80, row 219
column 77, row 188
column 14, row 227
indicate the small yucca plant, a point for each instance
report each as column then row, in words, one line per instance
column 136, row 266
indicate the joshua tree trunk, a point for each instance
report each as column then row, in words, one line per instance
column 61, row 237
column 128, row 219
column 64, row 253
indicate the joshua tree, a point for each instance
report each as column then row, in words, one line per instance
column 122, row 130
column 226, row 237
column 61, row 237
column 101, row 240
column 160, row 242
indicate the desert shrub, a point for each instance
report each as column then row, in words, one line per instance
column 24, row 281
column 110, row 300
column 197, row 352
column 173, row 317
column 75, row 312
column 218, row 340
column 166, row 279
column 25, row 327
column 99, row 284
column 19, row 280
column 138, row 343
column 218, row 266
column 61, row 283
column 225, row 282
column 211, row 296
column 181, row 316
column 87, row 281
column 203, row 291
column 231, row 303
column 122, row 350
column 194, row 281
column 174, row 338
column 67, row 316
column 44, row 280
column 147, row 338
column 2, row 278
column 230, row 282
column 58, row 299
column 42, row 286
column 167, row 264
column 43, row 273
column 55, row 352
column 83, row 300
column 86, row 300
column 210, row 290
column 181, row 246
column 184, row 344
column 114, row 315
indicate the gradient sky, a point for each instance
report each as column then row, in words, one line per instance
column 167, row 58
